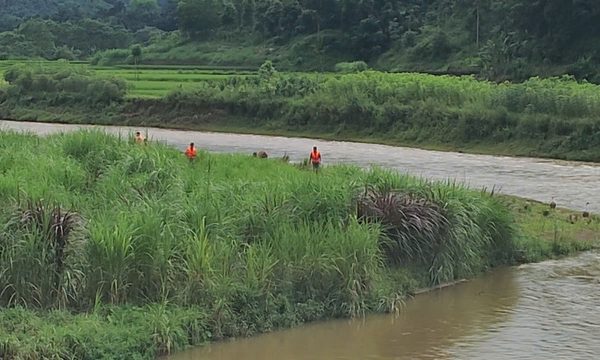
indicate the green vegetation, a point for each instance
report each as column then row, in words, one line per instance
column 146, row 81
column 62, row 86
column 496, row 39
column 111, row 249
column 546, row 233
column 553, row 117
column 135, row 240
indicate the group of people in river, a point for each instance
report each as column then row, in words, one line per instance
column 191, row 152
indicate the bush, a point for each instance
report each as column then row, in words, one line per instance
column 351, row 67
column 111, row 57
column 62, row 85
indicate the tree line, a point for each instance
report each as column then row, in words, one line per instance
column 497, row 36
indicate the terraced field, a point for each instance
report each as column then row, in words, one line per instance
column 147, row 81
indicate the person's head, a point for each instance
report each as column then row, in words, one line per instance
column 314, row 148
column 137, row 133
column 192, row 145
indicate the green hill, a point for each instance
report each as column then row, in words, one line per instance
column 498, row 39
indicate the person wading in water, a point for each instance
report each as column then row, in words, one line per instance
column 191, row 152
column 315, row 159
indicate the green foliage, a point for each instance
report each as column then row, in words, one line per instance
column 555, row 116
column 513, row 39
column 198, row 18
column 351, row 67
column 62, row 85
column 54, row 40
column 136, row 51
column 112, row 56
column 43, row 249
column 228, row 246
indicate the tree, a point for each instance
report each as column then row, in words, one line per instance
column 136, row 53
column 141, row 13
column 37, row 32
column 197, row 18
column 168, row 15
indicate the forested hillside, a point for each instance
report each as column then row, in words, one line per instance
column 495, row 38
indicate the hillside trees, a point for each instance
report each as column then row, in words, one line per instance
column 197, row 18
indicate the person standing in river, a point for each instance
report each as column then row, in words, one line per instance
column 315, row 159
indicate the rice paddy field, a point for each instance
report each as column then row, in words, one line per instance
column 145, row 81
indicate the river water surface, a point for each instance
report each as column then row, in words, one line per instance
column 549, row 310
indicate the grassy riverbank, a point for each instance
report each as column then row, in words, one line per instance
column 554, row 118
column 113, row 250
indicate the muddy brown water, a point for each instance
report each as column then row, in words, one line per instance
column 549, row 310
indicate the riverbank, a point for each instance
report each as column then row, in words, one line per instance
column 157, row 254
column 220, row 123
column 550, row 118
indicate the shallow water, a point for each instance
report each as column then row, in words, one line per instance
column 571, row 183
column 549, row 310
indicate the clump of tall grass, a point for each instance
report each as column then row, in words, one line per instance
column 42, row 257
column 443, row 228
column 413, row 225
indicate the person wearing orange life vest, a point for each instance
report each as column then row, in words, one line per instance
column 191, row 152
column 315, row 158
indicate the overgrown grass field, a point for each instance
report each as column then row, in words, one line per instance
column 109, row 249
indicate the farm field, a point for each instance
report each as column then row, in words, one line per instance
column 146, row 81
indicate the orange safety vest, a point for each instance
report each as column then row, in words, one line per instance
column 191, row 153
column 315, row 157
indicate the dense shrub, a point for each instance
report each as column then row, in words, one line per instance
column 62, row 85
column 351, row 67
column 110, row 57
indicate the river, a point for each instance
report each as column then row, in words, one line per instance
column 573, row 184
column 549, row 310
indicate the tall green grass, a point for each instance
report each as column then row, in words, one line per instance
column 244, row 244
column 547, row 117
column 553, row 117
